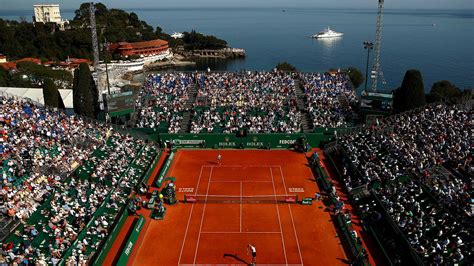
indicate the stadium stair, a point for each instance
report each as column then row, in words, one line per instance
column 186, row 122
column 306, row 123
column 7, row 226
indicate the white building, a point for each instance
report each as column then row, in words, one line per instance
column 49, row 13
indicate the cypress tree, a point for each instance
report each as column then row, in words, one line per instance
column 4, row 76
column 85, row 95
column 95, row 97
column 76, row 93
column 50, row 94
column 411, row 94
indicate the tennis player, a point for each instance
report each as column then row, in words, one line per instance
column 254, row 253
column 219, row 157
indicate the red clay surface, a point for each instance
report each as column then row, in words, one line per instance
column 198, row 233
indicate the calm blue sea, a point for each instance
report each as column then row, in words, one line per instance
column 442, row 51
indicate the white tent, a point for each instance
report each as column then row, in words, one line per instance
column 36, row 94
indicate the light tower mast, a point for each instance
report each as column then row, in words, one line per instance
column 95, row 45
column 376, row 71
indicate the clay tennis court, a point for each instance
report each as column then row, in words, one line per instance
column 214, row 230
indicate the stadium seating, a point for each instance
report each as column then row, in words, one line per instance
column 64, row 179
column 400, row 159
column 260, row 102
column 162, row 101
column 329, row 97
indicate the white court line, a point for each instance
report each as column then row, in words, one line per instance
column 272, row 232
column 250, row 181
column 189, row 219
column 292, row 220
column 202, row 217
column 283, row 179
column 240, row 206
column 242, row 166
column 279, row 220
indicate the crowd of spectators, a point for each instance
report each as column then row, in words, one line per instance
column 258, row 102
column 39, row 148
column 398, row 154
column 162, row 101
column 453, row 191
column 261, row 102
column 329, row 97
column 66, row 173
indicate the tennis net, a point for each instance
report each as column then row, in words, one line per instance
column 255, row 199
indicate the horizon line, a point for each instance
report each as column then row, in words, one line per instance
column 263, row 7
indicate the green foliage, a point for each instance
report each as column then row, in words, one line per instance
column 85, row 94
column 286, row 67
column 23, row 39
column 77, row 93
column 411, row 94
column 50, row 94
column 444, row 91
column 37, row 74
column 355, row 76
column 31, row 75
column 4, row 77
column 19, row 40
column 197, row 41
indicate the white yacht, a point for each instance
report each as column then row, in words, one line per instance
column 177, row 35
column 328, row 33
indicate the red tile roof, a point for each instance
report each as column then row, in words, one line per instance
column 30, row 59
column 153, row 43
column 138, row 45
column 8, row 65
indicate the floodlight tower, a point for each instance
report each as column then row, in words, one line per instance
column 376, row 71
column 95, row 45
column 95, row 50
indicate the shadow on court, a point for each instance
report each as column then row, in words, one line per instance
column 234, row 256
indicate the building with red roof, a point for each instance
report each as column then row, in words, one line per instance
column 30, row 59
column 147, row 48
column 8, row 65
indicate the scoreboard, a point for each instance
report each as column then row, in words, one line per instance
column 119, row 104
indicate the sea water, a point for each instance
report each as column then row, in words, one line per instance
column 440, row 43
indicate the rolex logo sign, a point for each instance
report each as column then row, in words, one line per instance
column 226, row 139
column 254, row 139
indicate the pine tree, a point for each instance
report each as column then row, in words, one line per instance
column 444, row 91
column 355, row 76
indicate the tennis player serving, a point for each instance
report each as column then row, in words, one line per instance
column 252, row 249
